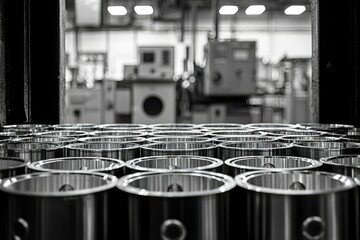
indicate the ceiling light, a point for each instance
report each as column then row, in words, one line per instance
column 255, row 10
column 144, row 10
column 295, row 10
column 228, row 10
column 117, row 10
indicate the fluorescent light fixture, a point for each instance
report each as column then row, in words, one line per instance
column 228, row 10
column 117, row 10
column 144, row 10
column 295, row 10
column 255, row 10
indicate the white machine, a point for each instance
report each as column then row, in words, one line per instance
column 230, row 68
column 153, row 101
column 156, row 62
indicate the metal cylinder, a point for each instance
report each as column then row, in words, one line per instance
column 62, row 141
column 87, row 127
column 177, row 205
column 348, row 165
column 177, row 133
column 245, row 138
column 270, row 125
column 42, row 206
column 113, row 139
column 10, row 167
column 179, row 148
column 84, row 164
column 290, row 131
column 318, row 150
column 173, row 127
column 325, row 127
column 121, row 151
column 305, row 205
column 306, row 138
column 123, row 127
column 174, row 162
column 178, row 139
column 210, row 127
column 239, row 149
column 129, row 133
column 238, row 165
column 64, row 133
column 24, row 129
column 34, row 151
column 232, row 133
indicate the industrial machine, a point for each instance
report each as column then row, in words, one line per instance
column 153, row 101
column 230, row 68
column 156, row 62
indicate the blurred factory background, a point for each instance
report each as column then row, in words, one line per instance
column 194, row 61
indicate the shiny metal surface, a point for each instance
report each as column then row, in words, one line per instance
column 306, row 138
column 179, row 148
column 129, row 133
column 192, row 133
column 42, row 139
column 121, row 151
column 183, row 205
column 173, row 126
column 238, row 165
column 239, row 149
column 245, row 138
column 221, row 126
column 76, row 126
column 226, row 133
column 10, row 167
column 317, row 150
column 270, row 125
column 7, row 135
column 63, row 133
column 348, row 165
column 333, row 128
column 178, row 139
column 123, row 127
column 34, row 151
column 296, row 205
column 23, row 129
column 114, row 139
column 84, row 164
column 174, row 162
column 290, row 131
column 43, row 206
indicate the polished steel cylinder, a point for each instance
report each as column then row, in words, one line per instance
column 177, row 205
column 42, row 139
column 57, row 206
column 239, row 149
column 10, row 167
column 238, row 165
column 348, row 165
column 87, row 127
column 64, row 133
column 83, row 164
column 34, row 151
column 178, row 139
column 25, row 129
column 121, row 151
column 305, row 205
column 210, row 127
column 317, row 150
column 193, row 133
column 245, row 138
column 332, row 128
column 270, row 125
column 305, row 138
column 174, row 162
column 179, row 148
column 232, row 133
column 123, row 127
column 113, row 139
column 173, row 127
column 290, row 131
column 129, row 133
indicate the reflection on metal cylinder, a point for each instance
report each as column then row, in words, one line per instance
column 177, row 204
column 42, row 206
column 34, row 151
column 10, row 167
column 348, row 165
column 306, row 204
